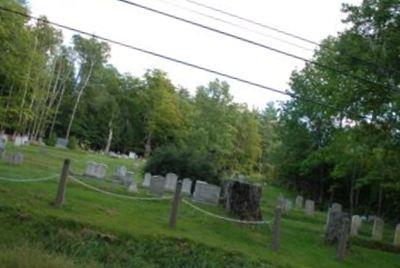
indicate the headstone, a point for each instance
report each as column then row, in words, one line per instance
column 206, row 193
column 355, row 225
column 299, row 202
column 146, row 180
column 15, row 159
column 243, row 199
column 334, row 227
column 120, row 174
column 157, row 185
column 287, row 205
column 170, row 183
column 132, row 155
column 18, row 141
column 90, row 169
column 377, row 229
column 130, row 180
column 25, row 140
column 100, row 171
column 280, row 201
column 95, row 170
column 2, row 149
column 396, row 240
column 187, row 186
column 3, row 137
column 62, row 143
column 309, row 208
column 335, row 207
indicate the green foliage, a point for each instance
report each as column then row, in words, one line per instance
column 72, row 143
column 51, row 140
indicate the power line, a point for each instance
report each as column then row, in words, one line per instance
column 194, row 66
column 288, row 54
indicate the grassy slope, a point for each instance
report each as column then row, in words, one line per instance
column 301, row 236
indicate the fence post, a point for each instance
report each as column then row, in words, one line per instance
column 276, row 232
column 62, row 185
column 175, row 205
column 343, row 239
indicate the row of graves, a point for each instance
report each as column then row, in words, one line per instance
column 11, row 158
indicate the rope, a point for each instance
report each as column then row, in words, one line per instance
column 221, row 217
column 117, row 195
column 29, row 180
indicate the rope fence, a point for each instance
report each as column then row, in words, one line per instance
column 51, row 177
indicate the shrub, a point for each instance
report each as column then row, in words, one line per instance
column 72, row 143
column 184, row 163
column 51, row 140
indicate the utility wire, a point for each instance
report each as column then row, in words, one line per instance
column 345, row 73
column 168, row 58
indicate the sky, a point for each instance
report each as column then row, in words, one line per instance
column 312, row 19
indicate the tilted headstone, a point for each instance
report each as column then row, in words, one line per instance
column 15, row 159
column 157, row 185
column 334, row 227
column 299, row 202
column 187, row 186
column 377, row 229
column 62, row 143
column 170, row 182
column 130, row 180
column 146, row 180
column 206, row 193
column 356, row 222
column 396, row 240
column 309, row 208
column 243, row 199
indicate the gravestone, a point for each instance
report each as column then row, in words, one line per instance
column 157, row 185
column 62, row 143
column 309, row 208
column 187, row 186
column 377, row 229
column 146, row 180
column 206, row 193
column 280, row 201
column 170, row 182
column 15, row 159
column 95, row 170
column 243, row 199
column 334, row 227
column 335, row 207
column 356, row 222
column 2, row 149
column 299, row 202
column 130, row 180
column 287, row 205
column 120, row 174
column 24, row 140
column 18, row 141
column 90, row 169
column 132, row 155
column 396, row 240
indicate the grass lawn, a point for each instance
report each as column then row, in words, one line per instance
column 97, row 230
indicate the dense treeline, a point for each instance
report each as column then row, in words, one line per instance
column 348, row 148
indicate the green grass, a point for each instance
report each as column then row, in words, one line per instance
column 141, row 227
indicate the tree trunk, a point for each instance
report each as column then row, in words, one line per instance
column 78, row 99
column 380, row 199
column 351, row 195
column 110, row 136
column 147, row 147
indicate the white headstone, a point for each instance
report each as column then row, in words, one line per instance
column 170, row 183
column 309, row 208
column 299, row 202
column 287, row 205
column 396, row 240
column 356, row 222
column 132, row 155
column 130, row 180
column 18, row 141
column 146, row 180
column 157, row 185
column 206, row 193
column 377, row 229
column 187, row 186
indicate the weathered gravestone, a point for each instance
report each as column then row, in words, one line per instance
column 377, row 229
column 157, row 185
column 356, row 222
column 95, row 170
column 15, row 159
column 335, row 207
column 333, row 230
column 299, row 202
column 146, row 180
column 243, row 199
column 62, row 143
column 206, row 193
column 120, row 174
column 170, row 182
column 187, row 186
column 130, row 180
column 309, row 208
column 2, row 149
column 396, row 240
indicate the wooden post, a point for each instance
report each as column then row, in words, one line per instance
column 343, row 239
column 62, row 185
column 276, row 232
column 175, row 205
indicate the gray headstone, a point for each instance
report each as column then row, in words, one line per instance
column 146, row 180
column 356, row 222
column 95, row 170
column 396, row 240
column 309, row 208
column 120, row 174
column 336, row 207
column 157, row 185
column 15, row 159
column 130, row 180
column 299, row 202
column 90, row 169
column 287, row 205
column 377, row 229
column 18, row 141
column 2, row 149
column 206, row 193
column 187, row 186
column 100, row 171
column 62, row 143
column 170, row 182
column 334, row 227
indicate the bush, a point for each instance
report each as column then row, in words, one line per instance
column 72, row 143
column 51, row 140
column 184, row 163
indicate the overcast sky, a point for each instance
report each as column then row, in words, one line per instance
column 313, row 19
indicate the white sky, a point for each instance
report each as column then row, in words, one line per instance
column 313, row 19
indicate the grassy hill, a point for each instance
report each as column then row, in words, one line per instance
column 97, row 230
